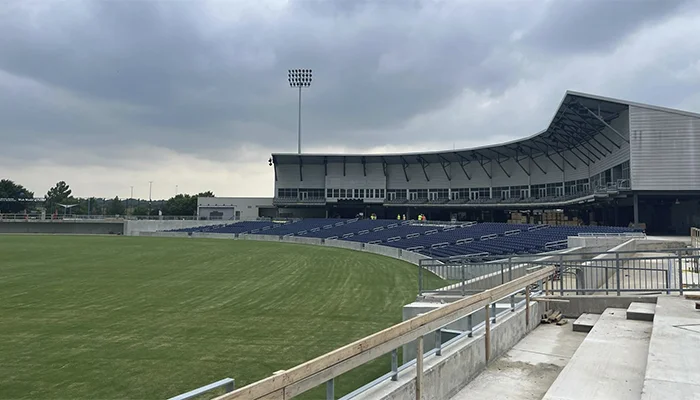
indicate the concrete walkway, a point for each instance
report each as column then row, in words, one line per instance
column 528, row 369
column 673, row 365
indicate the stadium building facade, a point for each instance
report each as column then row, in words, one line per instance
column 599, row 161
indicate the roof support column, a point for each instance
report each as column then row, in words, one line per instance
column 405, row 173
column 424, row 164
column 606, row 124
column 445, row 163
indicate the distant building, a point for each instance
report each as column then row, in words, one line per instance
column 599, row 161
column 235, row 208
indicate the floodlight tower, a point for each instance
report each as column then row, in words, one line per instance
column 299, row 78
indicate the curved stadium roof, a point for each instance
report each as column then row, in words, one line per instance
column 578, row 119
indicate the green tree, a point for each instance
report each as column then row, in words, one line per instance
column 116, row 207
column 58, row 195
column 11, row 190
column 184, row 204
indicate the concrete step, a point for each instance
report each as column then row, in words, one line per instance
column 641, row 311
column 609, row 364
column 585, row 322
column 674, row 351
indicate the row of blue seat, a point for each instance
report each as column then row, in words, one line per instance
column 441, row 241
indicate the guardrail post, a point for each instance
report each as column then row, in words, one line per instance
column 680, row 273
column 669, row 270
column 470, row 326
column 330, row 390
column 512, row 303
column 487, row 333
column 229, row 387
column 503, row 277
column 420, row 278
column 419, row 369
column 394, row 365
column 617, row 272
column 438, row 342
column 561, row 275
column 464, row 279
column 527, row 306
column 510, row 269
column 493, row 308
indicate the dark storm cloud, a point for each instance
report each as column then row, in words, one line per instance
column 576, row 26
column 176, row 74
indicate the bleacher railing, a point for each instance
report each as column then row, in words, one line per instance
column 324, row 369
column 611, row 272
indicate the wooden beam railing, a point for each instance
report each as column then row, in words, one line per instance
column 287, row 384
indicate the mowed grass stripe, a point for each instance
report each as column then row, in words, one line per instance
column 127, row 317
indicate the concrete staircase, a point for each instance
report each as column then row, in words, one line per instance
column 648, row 351
column 609, row 364
column 673, row 363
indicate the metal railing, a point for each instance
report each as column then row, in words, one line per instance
column 228, row 384
column 612, row 272
column 324, row 369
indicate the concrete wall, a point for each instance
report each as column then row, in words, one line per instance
column 445, row 375
column 63, row 227
column 136, row 227
column 399, row 254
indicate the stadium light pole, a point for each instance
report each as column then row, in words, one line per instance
column 299, row 78
column 150, row 190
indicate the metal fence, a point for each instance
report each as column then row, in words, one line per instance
column 611, row 272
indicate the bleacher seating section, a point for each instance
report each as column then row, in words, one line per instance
column 430, row 239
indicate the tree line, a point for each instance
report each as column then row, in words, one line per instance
column 16, row 199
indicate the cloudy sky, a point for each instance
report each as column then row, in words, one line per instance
column 112, row 94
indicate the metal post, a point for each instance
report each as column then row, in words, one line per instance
column 680, row 273
column 669, row 269
column 420, row 278
column 419, row 369
column 617, row 271
column 487, row 333
column 470, row 326
column 512, row 303
column 394, row 365
column 438, row 342
column 561, row 274
column 510, row 269
column 493, row 309
column 229, row 387
column 299, row 128
column 330, row 390
column 527, row 306
column 464, row 280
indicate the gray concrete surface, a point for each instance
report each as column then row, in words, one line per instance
column 609, row 364
column 528, row 369
column 596, row 304
column 673, row 363
column 445, row 375
column 585, row 322
column 641, row 311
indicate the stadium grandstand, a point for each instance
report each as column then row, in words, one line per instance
column 599, row 161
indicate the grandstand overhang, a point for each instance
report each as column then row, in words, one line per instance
column 579, row 123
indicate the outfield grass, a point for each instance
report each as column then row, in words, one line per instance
column 148, row 318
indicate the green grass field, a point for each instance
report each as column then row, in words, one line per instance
column 148, row 318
